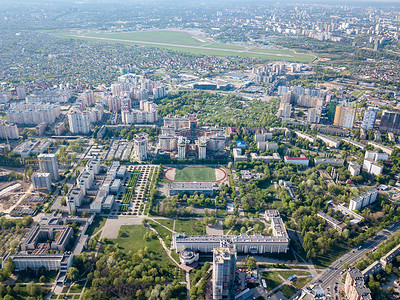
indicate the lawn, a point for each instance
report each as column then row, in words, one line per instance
column 166, row 222
column 272, row 279
column 165, row 234
column 195, row 174
column 97, row 224
column 301, row 282
column 131, row 238
column 287, row 274
column 190, row 227
column 287, row 291
column 77, row 287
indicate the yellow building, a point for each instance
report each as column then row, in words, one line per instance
column 344, row 116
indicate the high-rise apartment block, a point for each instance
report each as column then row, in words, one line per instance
column 33, row 113
column 224, row 269
column 48, row 164
column 9, row 131
column 354, row 286
column 390, row 121
column 148, row 113
column 344, row 116
column 57, row 95
column 41, row 181
column 363, row 199
column 141, row 146
column 369, row 118
column 21, row 92
column 285, row 110
column 79, row 121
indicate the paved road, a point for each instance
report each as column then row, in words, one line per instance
column 332, row 273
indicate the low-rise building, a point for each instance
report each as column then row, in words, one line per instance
column 302, row 160
column 206, row 188
column 265, row 158
column 329, row 161
column 332, row 222
column 331, row 142
column 57, row 236
column 305, row 136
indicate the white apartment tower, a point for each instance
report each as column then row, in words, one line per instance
column 181, row 148
column 202, row 147
column 141, row 146
column 21, row 92
column 79, row 121
column 369, row 118
column 48, row 164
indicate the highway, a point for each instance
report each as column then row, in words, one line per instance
column 331, row 275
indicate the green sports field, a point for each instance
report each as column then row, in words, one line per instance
column 195, row 174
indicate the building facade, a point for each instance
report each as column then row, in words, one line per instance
column 224, row 270
column 41, row 181
column 369, row 118
column 344, row 116
column 141, row 141
column 48, row 164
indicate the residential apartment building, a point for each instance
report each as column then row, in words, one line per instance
column 390, row 121
column 41, row 181
column 79, row 121
column 354, row 168
column 363, row 199
column 344, row 116
column 33, row 114
column 48, row 164
column 224, row 270
column 141, row 141
column 369, row 118
column 9, row 132
column 302, row 160
column 354, row 286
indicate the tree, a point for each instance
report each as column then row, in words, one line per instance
column 42, row 279
column 251, row 262
column 65, row 189
column 84, row 214
column 345, row 234
column 346, row 266
column 73, row 274
column 32, row 289
column 63, row 201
